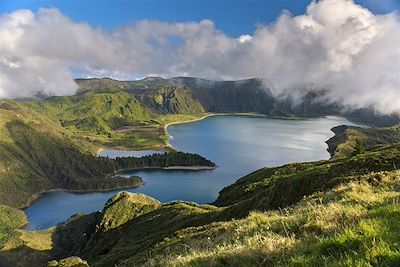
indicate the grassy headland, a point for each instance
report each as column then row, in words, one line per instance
column 350, row 140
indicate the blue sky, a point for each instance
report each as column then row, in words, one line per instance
column 234, row 17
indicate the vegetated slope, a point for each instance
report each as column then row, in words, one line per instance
column 340, row 225
column 170, row 100
column 350, row 140
column 272, row 188
column 101, row 110
column 250, row 95
column 106, row 117
column 37, row 154
column 354, row 224
column 10, row 219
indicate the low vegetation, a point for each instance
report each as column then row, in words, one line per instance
column 10, row 219
column 272, row 188
column 353, row 224
column 351, row 140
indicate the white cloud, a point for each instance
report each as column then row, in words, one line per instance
column 336, row 44
column 245, row 38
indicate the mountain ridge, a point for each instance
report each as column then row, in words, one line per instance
column 254, row 95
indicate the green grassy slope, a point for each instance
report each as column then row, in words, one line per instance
column 114, row 118
column 271, row 188
column 149, row 225
column 10, row 219
column 100, row 110
column 354, row 224
column 170, row 100
column 37, row 154
column 349, row 139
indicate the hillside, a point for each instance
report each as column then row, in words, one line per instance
column 338, row 227
column 37, row 154
column 350, row 139
column 105, row 109
column 250, row 95
column 271, row 188
column 105, row 117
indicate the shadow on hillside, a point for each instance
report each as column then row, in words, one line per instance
column 24, row 256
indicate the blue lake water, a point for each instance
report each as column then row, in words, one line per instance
column 237, row 144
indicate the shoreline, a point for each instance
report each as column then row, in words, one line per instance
column 36, row 196
column 168, row 144
column 125, row 149
column 192, row 168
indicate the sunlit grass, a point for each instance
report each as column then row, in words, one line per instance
column 355, row 224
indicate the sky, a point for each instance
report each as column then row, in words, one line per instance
column 348, row 47
column 234, row 17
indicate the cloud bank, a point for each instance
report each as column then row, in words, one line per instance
column 336, row 44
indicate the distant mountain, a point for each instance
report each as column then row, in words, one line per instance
column 192, row 95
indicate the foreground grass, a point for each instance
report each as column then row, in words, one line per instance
column 354, row 224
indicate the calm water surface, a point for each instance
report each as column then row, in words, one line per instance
column 237, row 144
